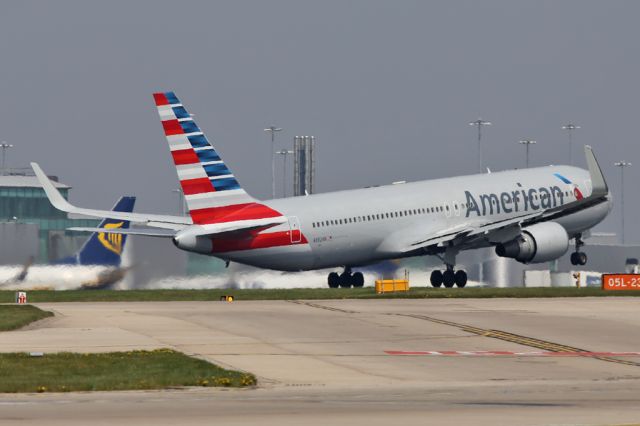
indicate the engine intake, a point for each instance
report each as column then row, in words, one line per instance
column 537, row 243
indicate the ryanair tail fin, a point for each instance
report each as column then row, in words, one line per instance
column 104, row 248
column 211, row 190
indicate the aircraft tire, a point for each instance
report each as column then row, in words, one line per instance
column 346, row 280
column 358, row 279
column 582, row 258
column 333, row 280
column 574, row 258
column 461, row 278
column 448, row 278
column 436, row 278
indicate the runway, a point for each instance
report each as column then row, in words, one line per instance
column 357, row 361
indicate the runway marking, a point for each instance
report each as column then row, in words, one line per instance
column 556, row 348
column 512, row 353
column 328, row 308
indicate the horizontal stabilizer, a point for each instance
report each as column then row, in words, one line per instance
column 59, row 202
column 197, row 231
column 128, row 231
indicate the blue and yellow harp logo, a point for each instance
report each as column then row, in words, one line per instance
column 112, row 242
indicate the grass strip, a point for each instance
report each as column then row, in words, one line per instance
column 306, row 294
column 13, row 317
column 132, row 370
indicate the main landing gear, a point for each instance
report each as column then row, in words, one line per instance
column 449, row 277
column 579, row 257
column 345, row 279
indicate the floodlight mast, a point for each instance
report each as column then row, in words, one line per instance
column 527, row 143
column 622, row 165
column 570, row 128
column 4, row 147
column 479, row 123
column 284, row 153
column 273, row 130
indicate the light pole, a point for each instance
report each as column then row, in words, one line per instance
column 527, row 143
column 273, row 130
column 181, row 209
column 622, row 165
column 479, row 123
column 284, row 153
column 4, row 147
column 569, row 128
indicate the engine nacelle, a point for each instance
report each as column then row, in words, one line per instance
column 189, row 241
column 537, row 243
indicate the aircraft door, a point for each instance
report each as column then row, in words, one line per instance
column 457, row 209
column 294, row 229
column 447, row 209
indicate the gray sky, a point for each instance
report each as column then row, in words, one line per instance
column 387, row 87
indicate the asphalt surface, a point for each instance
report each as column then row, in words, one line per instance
column 329, row 361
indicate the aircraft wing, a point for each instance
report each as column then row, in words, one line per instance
column 495, row 232
column 175, row 223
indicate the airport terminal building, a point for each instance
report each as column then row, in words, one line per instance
column 30, row 225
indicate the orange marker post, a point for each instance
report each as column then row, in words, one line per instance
column 621, row 282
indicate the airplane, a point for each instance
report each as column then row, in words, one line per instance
column 97, row 264
column 529, row 215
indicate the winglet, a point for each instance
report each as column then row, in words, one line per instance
column 598, row 183
column 53, row 194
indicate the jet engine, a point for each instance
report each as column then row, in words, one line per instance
column 537, row 243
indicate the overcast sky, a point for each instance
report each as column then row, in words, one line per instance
column 387, row 88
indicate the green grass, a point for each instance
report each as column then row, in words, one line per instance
column 157, row 369
column 13, row 317
column 305, row 293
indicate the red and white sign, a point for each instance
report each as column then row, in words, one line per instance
column 21, row 297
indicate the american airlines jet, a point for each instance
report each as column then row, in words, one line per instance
column 529, row 215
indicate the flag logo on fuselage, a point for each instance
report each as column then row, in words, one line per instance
column 576, row 192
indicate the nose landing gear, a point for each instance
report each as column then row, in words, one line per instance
column 579, row 257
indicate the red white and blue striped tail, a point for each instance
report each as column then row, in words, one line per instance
column 211, row 191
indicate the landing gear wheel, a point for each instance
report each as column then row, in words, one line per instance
column 460, row 278
column 574, row 258
column 448, row 278
column 436, row 278
column 358, row 279
column 578, row 258
column 582, row 258
column 345, row 280
column 333, row 280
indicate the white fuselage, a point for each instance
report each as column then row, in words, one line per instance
column 358, row 227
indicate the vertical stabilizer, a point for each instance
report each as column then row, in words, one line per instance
column 104, row 248
column 210, row 189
